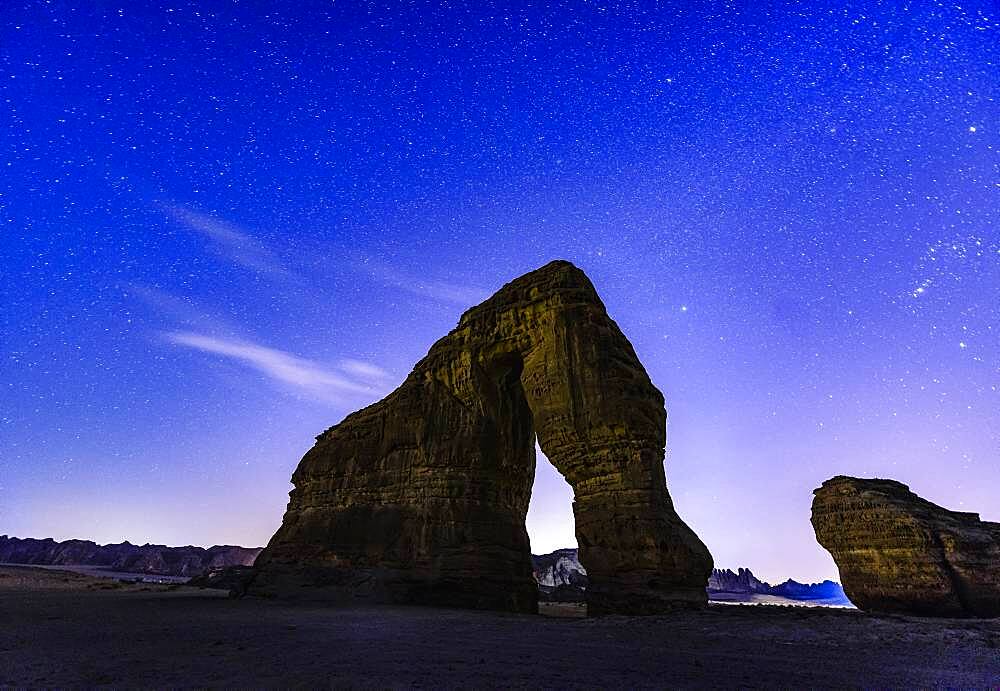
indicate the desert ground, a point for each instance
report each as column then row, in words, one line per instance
column 67, row 629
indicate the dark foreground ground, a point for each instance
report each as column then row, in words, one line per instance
column 59, row 629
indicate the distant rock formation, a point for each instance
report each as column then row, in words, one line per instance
column 827, row 590
column 151, row 559
column 899, row 553
column 561, row 578
column 742, row 581
column 421, row 497
column 561, row 567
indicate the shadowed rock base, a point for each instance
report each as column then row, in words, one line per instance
column 899, row 553
column 421, row 497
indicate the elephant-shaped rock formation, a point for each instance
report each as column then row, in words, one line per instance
column 421, row 498
column 899, row 553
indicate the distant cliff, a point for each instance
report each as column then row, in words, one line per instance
column 561, row 577
column 151, row 559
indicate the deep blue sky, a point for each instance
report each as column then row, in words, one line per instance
column 228, row 224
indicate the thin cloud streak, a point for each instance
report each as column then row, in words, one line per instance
column 464, row 296
column 354, row 380
column 364, row 370
column 235, row 244
column 184, row 312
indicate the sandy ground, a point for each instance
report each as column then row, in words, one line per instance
column 61, row 629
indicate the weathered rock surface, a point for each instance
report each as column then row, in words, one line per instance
column 421, row 497
column 152, row 559
column 899, row 553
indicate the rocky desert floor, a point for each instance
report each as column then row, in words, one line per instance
column 63, row 629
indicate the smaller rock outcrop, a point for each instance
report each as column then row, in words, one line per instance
column 898, row 552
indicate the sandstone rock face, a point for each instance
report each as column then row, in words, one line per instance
column 422, row 497
column 899, row 553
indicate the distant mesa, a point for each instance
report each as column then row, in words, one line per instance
column 125, row 557
column 899, row 553
column 421, row 498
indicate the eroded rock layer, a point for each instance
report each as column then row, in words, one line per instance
column 421, row 497
column 899, row 553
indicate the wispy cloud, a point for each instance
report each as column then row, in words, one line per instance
column 183, row 311
column 462, row 295
column 364, row 370
column 350, row 381
column 234, row 243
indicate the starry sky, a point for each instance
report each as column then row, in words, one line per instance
column 226, row 224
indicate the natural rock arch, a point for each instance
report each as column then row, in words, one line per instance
column 422, row 497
